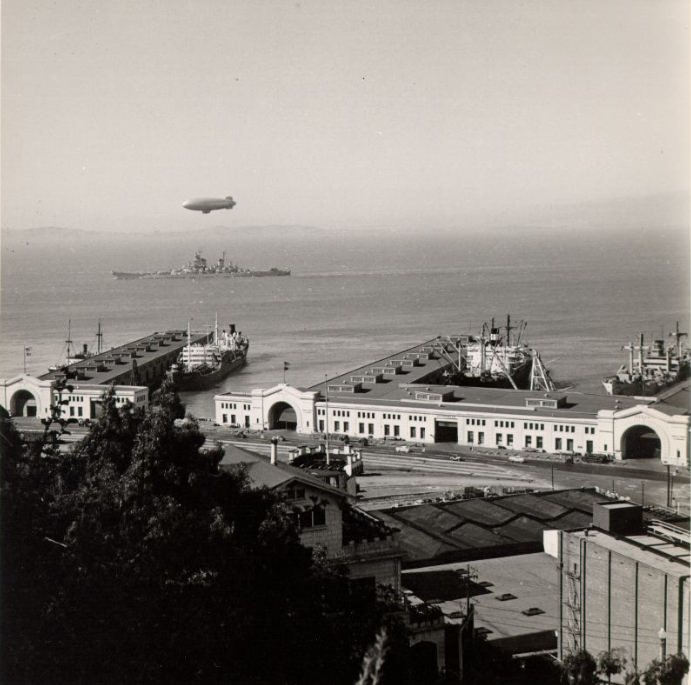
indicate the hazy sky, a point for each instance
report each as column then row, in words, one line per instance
column 337, row 112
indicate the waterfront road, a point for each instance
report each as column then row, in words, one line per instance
column 395, row 477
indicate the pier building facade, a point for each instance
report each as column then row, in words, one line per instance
column 396, row 398
column 131, row 369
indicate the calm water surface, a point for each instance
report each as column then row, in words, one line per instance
column 353, row 297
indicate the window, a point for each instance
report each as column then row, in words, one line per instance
column 422, row 432
column 500, row 438
column 232, row 419
column 312, row 517
column 224, row 418
column 370, row 429
column 471, row 437
column 528, row 440
column 538, row 442
column 396, row 431
column 480, row 438
column 589, row 446
column 569, row 445
column 413, row 432
column 557, row 443
column 509, row 439
column 361, row 428
column 295, row 492
column 387, row 429
column 346, row 426
column 337, row 426
column 321, row 425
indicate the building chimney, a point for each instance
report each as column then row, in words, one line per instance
column 274, row 450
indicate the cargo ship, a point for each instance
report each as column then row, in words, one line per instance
column 495, row 358
column 200, row 268
column 651, row 368
column 202, row 365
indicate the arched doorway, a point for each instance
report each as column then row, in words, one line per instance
column 282, row 417
column 23, row 403
column 640, row 442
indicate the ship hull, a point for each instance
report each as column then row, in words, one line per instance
column 145, row 276
column 203, row 380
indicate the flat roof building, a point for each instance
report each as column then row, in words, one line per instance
column 132, row 369
column 625, row 585
column 396, row 398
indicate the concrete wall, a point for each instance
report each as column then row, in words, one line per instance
column 609, row 600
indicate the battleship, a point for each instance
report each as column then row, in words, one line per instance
column 651, row 368
column 200, row 268
column 495, row 358
column 201, row 365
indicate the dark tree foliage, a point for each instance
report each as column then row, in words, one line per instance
column 668, row 671
column 580, row 668
column 135, row 559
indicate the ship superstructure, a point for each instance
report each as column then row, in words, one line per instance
column 651, row 368
column 200, row 268
column 496, row 358
column 201, row 365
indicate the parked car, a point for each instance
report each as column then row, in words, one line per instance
column 455, row 457
column 402, row 448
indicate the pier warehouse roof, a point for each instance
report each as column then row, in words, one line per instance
column 141, row 362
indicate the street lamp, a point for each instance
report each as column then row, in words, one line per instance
column 662, row 634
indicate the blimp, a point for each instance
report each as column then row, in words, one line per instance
column 209, row 204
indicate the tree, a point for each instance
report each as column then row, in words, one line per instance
column 580, row 668
column 135, row 558
column 668, row 671
column 611, row 662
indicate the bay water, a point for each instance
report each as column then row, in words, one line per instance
column 353, row 296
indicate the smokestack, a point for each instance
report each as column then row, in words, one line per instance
column 274, row 450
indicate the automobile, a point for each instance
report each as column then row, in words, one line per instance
column 455, row 457
column 517, row 458
column 402, row 448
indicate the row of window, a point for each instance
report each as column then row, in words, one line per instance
column 533, row 426
column 391, row 417
column 475, row 422
column 341, row 412
column 503, row 424
column 365, row 415
column 234, row 405
column 564, row 429
column 234, row 420
column 559, row 444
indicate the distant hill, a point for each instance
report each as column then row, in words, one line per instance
column 52, row 234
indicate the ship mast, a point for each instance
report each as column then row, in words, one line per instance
column 68, row 342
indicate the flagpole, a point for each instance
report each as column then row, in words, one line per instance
column 24, row 359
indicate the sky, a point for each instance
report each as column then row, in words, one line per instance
column 338, row 113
